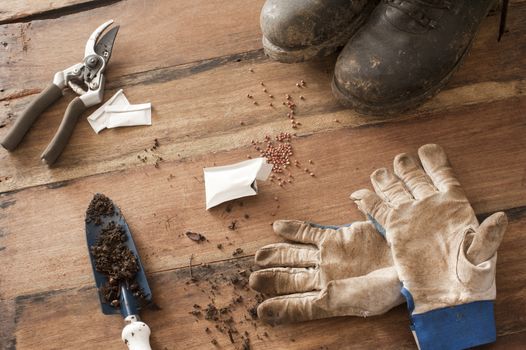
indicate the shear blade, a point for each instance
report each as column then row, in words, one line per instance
column 92, row 41
column 105, row 44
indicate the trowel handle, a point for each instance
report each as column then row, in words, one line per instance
column 136, row 334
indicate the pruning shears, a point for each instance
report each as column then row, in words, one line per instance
column 85, row 78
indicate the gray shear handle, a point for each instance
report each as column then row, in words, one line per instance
column 30, row 114
column 61, row 138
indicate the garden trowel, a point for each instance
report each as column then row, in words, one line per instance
column 113, row 255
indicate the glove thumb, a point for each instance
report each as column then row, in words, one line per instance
column 487, row 238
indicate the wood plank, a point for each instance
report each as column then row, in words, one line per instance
column 172, row 324
column 192, row 31
column 22, row 9
column 168, row 33
column 44, row 224
column 512, row 341
column 198, row 108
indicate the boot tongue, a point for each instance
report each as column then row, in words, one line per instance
column 415, row 16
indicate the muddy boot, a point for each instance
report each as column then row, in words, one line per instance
column 299, row 30
column 405, row 53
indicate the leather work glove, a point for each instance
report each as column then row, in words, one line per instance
column 330, row 271
column 444, row 258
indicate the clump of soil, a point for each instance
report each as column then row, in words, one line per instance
column 100, row 206
column 115, row 260
column 112, row 257
column 195, row 236
column 237, row 252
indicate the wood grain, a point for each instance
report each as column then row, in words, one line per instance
column 22, row 9
column 172, row 324
column 168, row 33
column 192, row 60
column 45, row 223
column 198, row 107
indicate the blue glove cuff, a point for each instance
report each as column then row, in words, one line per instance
column 456, row 327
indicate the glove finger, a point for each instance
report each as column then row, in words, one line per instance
column 487, row 239
column 389, row 187
column 366, row 295
column 291, row 308
column 287, row 255
column 299, row 231
column 414, row 177
column 371, row 294
column 435, row 162
column 371, row 204
column 285, row 280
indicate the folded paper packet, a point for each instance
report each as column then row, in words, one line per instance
column 224, row 183
column 128, row 115
column 99, row 119
column 118, row 112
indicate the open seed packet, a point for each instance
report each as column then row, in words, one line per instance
column 224, row 183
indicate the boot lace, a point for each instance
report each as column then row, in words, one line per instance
column 423, row 19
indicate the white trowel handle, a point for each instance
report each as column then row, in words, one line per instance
column 136, row 334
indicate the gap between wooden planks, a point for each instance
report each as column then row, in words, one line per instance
column 78, row 309
column 190, row 31
column 21, row 10
column 199, row 107
column 43, row 228
column 151, row 36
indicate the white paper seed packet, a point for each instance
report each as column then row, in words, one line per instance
column 98, row 119
column 224, row 183
column 128, row 115
column 118, row 112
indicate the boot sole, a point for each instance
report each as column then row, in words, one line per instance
column 388, row 110
column 286, row 55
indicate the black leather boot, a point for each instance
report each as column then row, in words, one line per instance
column 405, row 53
column 298, row 30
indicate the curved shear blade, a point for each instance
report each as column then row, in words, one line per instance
column 92, row 41
column 105, row 44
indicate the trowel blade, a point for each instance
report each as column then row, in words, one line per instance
column 93, row 231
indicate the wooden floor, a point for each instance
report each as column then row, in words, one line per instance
column 196, row 61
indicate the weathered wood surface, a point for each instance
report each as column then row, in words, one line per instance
column 198, row 107
column 485, row 142
column 174, row 328
column 13, row 11
column 153, row 35
column 191, row 59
